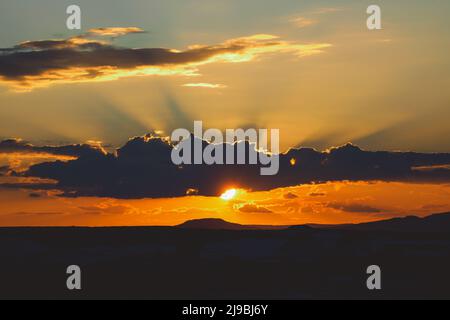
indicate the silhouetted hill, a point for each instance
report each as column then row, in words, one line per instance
column 219, row 224
column 211, row 224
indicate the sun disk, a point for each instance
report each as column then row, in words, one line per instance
column 228, row 195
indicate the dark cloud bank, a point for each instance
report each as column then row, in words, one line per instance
column 86, row 57
column 38, row 57
column 75, row 150
column 143, row 168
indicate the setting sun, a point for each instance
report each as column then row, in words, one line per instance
column 228, row 195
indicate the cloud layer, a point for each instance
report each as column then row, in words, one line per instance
column 143, row 168
column 89, row 57
column 75, row 150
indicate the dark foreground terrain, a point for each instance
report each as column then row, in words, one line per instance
column 198, row 260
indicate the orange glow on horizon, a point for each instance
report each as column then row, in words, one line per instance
column 327, row 203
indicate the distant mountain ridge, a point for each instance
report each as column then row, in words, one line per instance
column 434, row 223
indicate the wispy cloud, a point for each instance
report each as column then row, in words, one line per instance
column 252, row 208
column 115, row 31
column 311, row 18
column 302, row 22
column 386, row 40
column 326, row 10
column 34, row 64
column 205, row 85
column 353, row 207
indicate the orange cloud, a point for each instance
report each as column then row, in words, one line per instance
column 115, row 31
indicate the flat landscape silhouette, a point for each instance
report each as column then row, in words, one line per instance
column 213, row 259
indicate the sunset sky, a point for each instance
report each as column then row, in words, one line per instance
column 309, row 68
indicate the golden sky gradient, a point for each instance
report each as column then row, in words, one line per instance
column 309, row 68
column 383, row 90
